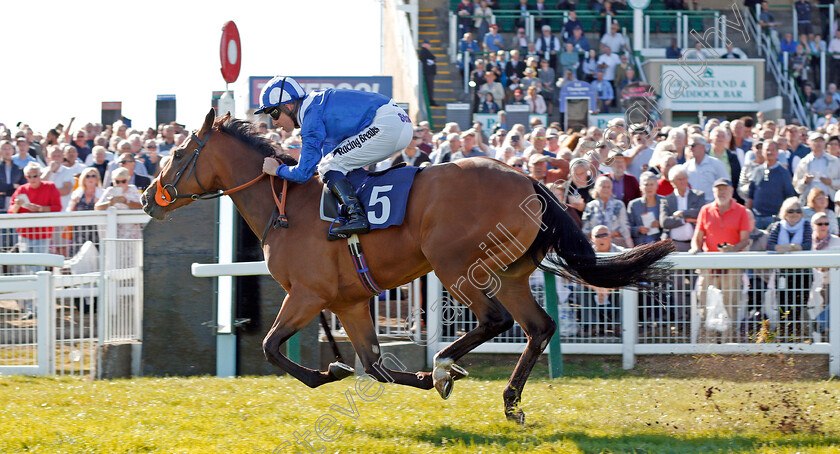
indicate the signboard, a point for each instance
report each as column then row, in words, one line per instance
column 230, row 52
column 459, row 113
column 488, row 121
column 602, row 120
column 717, row 84
column 165, row 109
column 377, row 84
column 638, row 4
column 111, row 112
column 578, row 89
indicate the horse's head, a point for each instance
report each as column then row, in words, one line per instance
column 185, row 176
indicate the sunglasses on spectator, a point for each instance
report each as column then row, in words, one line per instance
column 90, row 175
column 794, row 211
column 151, row 147
column 539, row 137
column 34, row 176
column 602, row 235
column 126, row 161
column 821, row 223
column 417, row 137
column 120, row 181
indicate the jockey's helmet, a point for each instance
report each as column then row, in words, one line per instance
column 278, row 91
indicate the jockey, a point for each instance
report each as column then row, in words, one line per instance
column 341, row 130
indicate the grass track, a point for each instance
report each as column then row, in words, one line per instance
column 574, row 415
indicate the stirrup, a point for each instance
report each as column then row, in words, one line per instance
column 332, row 236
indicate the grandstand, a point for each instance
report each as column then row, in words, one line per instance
column 772, row 87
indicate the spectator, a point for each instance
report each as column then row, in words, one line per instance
column 625, row 187
column 515, row 68
column 80, row 143
column 493, row 88
column 798, row 150
column 826, row 104
column 833, row 147
column 621, row 71
column 99, row 155
column 607, row 62
column 730, row 52
column 803, row 16
column 614, row 39
column 607, row 210
column 579, row 41
column 127, row 161
column 570, row 25
column 808, row 96
column 35, row 196
column 84, row 198
column 537, row 166
column 548, row 79
column 168, row 140
column 150, row 158
column 722, row 226
column 524, row 11
column 548, row 46
column 517, row 97
column 493, row 41
column 747, row 170
column 579, row 193
column 482, row 15
column 667, row 160
column 739, row 140
column 412, row 155
column 427, row 59
column 674, row 51
column 11, row 177
column 817, row 169
column 678, row 213
column 788, row 45
column 123, row 196
column 469, row 149
column 59, row 175
column 604, row 90
column 520, row 41
column 569, row 60
column 24, row 155
column 590, row 66
column 769, row 24
column 720, row 139
column 536, row 103
column 629, row 78
column 769, row 187
column 791, row 233
column 467, row 48
column 817, row 45
column 464, row 10
column 643, row 212
column 800, row 65
column 834, row 50
column 600, row 314
column 516, row 163
column 817, row 202
column 488, row 105
column 71, row 159
column 703, row 170
column 640, row 152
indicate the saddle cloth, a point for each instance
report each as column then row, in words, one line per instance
column 383, row 194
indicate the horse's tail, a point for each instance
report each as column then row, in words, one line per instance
column 569, row 254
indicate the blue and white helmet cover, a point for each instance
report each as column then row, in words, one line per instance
column 276, row 92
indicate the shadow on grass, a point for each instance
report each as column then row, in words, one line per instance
column 640, row 443
column 579, row 368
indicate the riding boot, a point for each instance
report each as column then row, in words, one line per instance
column 351, row 207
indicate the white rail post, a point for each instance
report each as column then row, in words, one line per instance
column 629, row 326
column 822, row 72
column 795, row 22
column 416, row 315
column 45, row 305
column 647, row 32
column 834, row 321
column 722, row 24
column 717, row 28
column 434, row 330
column 680, row 44
column 137, row 348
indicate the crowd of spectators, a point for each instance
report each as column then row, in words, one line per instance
column 516, row 70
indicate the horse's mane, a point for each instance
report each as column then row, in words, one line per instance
column 242, row 130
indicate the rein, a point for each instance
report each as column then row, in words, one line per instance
column 163, row 197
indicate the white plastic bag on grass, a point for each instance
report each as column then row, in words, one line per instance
column 717, row 319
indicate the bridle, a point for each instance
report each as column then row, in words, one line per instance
column 162, row 195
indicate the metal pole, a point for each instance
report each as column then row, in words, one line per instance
column 834, row 321
column 680, row 44
column 685, row 31
column 717, row 28
column 466, row 60
column 831, row 19
column 795, row 22
column 647, row 31
column 822, row 72
column 629, row 320
column 723, row 24
column 555, row 356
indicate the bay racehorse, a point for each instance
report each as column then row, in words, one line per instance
column 480, row 225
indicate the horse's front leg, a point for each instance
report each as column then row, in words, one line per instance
column 294, row 315
column 359, row 328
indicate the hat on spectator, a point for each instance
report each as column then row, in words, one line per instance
column 20, row 138
column 815, row 135
column 424, row 41
column 468, row 132
column 697, row 139
column 537, row 158
column 424, row 124
column 494, row 25
column 551, row 133
column 419, row 130
column 722, row 182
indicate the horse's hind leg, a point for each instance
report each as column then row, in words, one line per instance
column 515, row 294
column 293, row 316
column 359, row 328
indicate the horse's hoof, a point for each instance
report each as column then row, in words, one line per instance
column 457, row 372
column 517, row 416
column 443, row 382
column 340, row 370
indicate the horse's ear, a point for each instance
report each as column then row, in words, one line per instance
column 225, row 117
column 208, row 122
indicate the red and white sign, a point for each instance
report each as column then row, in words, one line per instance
column 231, row 52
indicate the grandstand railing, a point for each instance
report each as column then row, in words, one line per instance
column 96, row 291
column 773, row 310
column 777, row 68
